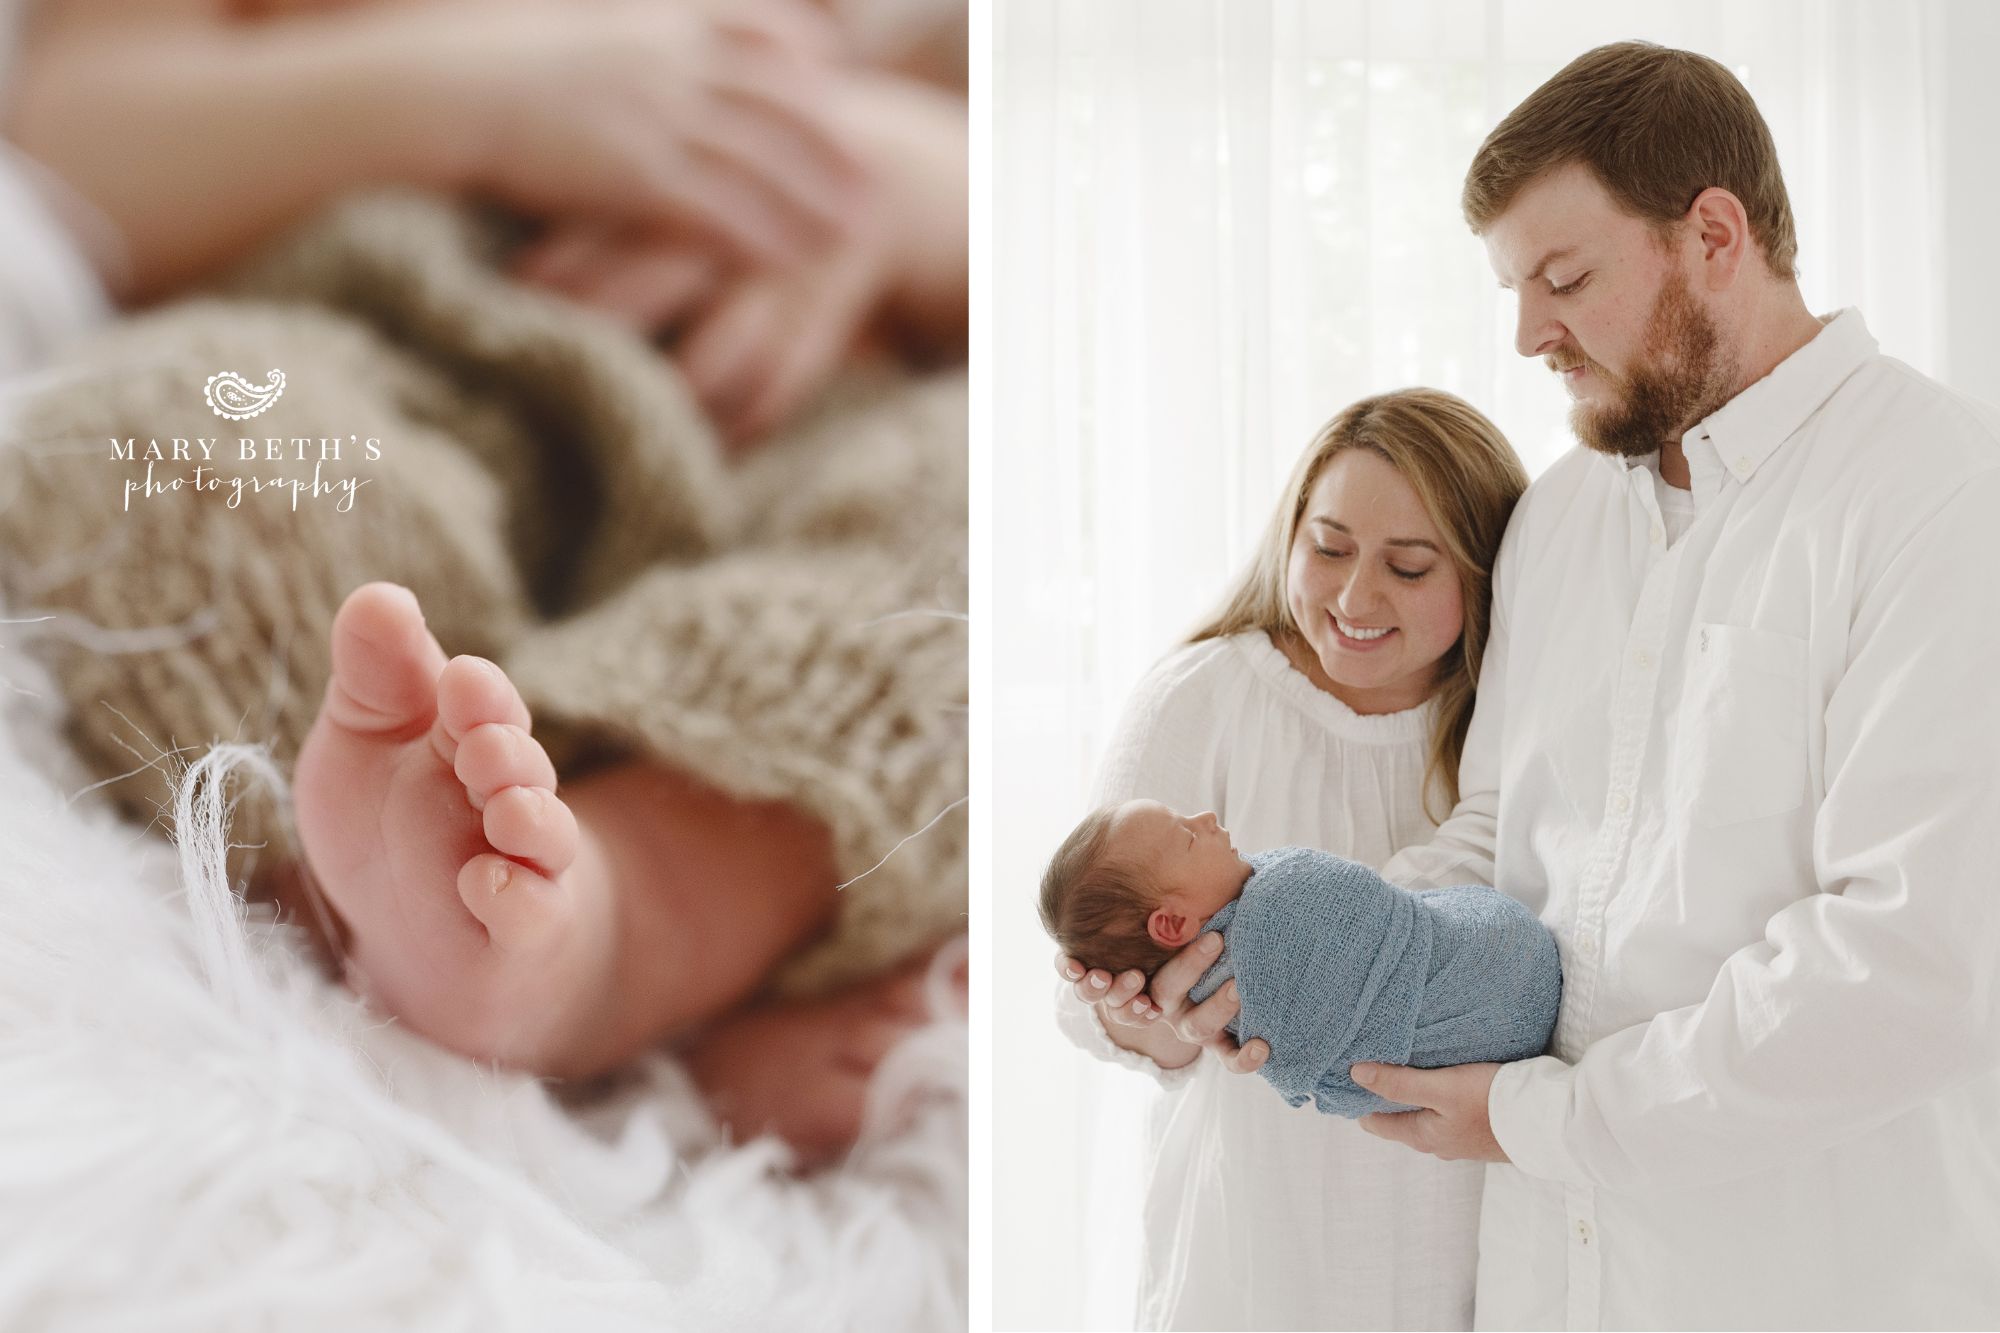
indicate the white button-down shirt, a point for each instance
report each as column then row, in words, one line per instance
column 1751, row 781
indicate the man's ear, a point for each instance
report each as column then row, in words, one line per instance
column 1722, row 229
column 1170, row 929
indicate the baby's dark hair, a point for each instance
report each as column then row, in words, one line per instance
column 1095, row 908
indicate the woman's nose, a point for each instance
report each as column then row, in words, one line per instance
column 1362, row 595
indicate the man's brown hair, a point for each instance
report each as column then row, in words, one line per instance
column 1657, row 126
column 1095, row 908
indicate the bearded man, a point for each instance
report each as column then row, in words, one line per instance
column 1737, row 741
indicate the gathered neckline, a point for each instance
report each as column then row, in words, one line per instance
column 1270, row 662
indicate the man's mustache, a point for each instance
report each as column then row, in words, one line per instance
column 1563, row 359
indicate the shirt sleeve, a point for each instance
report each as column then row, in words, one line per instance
column 1863, row 1000
column 1462, row 850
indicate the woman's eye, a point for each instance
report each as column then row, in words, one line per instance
column 1408, row 575
column 1570, row 289
column 1331, row 555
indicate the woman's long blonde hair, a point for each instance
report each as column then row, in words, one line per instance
column 1467, row 477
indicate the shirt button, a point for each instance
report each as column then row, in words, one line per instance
column 1742, row 462
column 1659, row 534
column 1643, row 658
column 1586, row 946
column 1621, row 803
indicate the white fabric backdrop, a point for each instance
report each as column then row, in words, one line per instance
column 1218, row 221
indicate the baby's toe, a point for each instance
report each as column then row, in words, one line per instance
column 472, row 692
column 532, row 824
column 385, row 663
column 518, row 905
column 495, row 755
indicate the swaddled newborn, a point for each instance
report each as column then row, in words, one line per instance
column 1333, row 964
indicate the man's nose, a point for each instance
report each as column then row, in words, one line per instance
column 1536, row 330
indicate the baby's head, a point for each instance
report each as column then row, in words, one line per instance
column 1134, row 883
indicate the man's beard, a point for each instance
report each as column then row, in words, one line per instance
column 1679, row 381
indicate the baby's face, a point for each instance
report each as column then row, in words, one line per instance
column 1189, row 856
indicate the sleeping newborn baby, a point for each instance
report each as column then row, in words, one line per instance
column 1333, row 964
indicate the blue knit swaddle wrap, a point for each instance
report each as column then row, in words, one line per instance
column 1335, row 965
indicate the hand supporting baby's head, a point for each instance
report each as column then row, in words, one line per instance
column 1133, row 884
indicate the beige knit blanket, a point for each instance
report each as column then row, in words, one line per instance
column 789, row 628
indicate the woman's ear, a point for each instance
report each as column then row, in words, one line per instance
column 1168, row 928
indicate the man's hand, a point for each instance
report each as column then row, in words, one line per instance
column 1452, row 1125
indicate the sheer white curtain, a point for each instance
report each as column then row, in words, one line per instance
column 1216, row 222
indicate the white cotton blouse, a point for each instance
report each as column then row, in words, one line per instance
column 1259, row 1215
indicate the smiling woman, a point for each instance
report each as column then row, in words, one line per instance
column 1281, row 719
column 1363, row 597
column 1374, row 575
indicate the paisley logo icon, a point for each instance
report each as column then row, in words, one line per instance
column 238, row 399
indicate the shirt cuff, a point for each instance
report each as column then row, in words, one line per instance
column 1085, row 1028
column 1528, row 1110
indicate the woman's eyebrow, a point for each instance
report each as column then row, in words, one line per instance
column 1345, row 531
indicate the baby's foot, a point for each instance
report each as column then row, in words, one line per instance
column 801, row 1069
column 477, row 914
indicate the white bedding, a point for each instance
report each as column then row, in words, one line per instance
column 199, row 1132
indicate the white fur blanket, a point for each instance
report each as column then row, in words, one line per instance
column 199, row 1132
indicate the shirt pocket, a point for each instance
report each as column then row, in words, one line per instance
column 1742, row 734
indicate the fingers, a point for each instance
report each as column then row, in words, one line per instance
column 803, row 30
column 646, row 279
column 770, row 142
column 829, row 316
column 1123, row 997
column 759, row 151
column 756, row 357
column 1092, row 985
column 649, row 290
column 1178, row 974
column 1412, row 1129
column 1124, row 987
column 1246, row 1059
column 1402, row 1084
column 730, row 354
column 1206, row 1020
column 715, row 203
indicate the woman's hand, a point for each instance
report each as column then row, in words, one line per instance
column 1130, row 1020
column 1162, row 1024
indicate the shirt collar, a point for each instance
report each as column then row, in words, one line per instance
column 1748, row 429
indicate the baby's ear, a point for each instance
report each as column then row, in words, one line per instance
column 1169, row 929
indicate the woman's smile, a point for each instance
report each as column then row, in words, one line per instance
column 1359, row 638
column 1365, row 541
